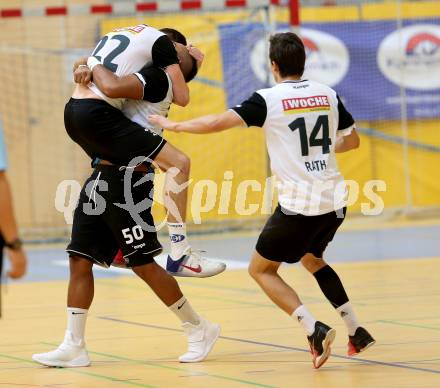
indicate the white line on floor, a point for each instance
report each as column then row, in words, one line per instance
column 160, row 259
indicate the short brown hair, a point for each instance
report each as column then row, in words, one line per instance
column 287, row 51
column 174, row 35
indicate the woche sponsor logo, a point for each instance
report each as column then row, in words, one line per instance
column 308, row 104
column 410, row 57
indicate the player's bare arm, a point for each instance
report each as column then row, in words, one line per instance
column 165, row 56
column 180, row 88
column 112, row 86
column 204, row 124
column 347, row 143
column 146, row 84
column 9, row 230
column 131, row 86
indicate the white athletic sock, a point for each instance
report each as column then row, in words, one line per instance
column 178, row 239
column 76, row 324
column 346, row 312
column 184, row 311
column 305, row 319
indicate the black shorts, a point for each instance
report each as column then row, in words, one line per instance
column 102, row 223
column 287, row 237
column 103, row 131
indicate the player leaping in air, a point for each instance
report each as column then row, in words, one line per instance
column 101, row 225
column 305, row 125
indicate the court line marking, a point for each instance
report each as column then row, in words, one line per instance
column 409, row 325
column 81, row 372
column 235, row 301
column 158, row 365
column 363, row 360
column 161, row 259
column 308, row 299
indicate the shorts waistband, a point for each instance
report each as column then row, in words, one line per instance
column 105, row 164
column 86, row 101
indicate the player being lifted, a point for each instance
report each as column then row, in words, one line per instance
column 100, row 226
column 125, row 51
column 305, row 124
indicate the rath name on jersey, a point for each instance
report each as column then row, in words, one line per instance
column 305, row 104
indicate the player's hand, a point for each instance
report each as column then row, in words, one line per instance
column 163, row 122
column 79, row 62
column 82, row 75
column 196, row 54
column 18, row 263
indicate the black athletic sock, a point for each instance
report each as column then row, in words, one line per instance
column 331, row 286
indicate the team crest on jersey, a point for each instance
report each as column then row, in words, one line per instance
column 305, row 104
column 133, row 29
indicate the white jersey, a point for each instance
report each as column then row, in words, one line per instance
column 125, row 51
column 302, row 121
column 139, row 110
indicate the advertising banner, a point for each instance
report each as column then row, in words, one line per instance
column 376, row 68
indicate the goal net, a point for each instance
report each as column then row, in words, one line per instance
column 383, row 59
column 37, row 51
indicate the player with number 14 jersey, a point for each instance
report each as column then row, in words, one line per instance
column 305, row 124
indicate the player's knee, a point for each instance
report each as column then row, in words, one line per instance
column 80, row 266
column 312, row 264
column 253, row 271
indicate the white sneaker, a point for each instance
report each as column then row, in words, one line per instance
column 193, row 264
column 67, row 355
column 201, row 340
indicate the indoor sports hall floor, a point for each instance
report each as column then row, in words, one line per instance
column 392, row 275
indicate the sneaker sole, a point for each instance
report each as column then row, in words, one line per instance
column 329, row 338
column 195, row 274
column 62, row 364
column 209, row 348
column 363, row 349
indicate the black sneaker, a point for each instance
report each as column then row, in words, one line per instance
column 360, row 341
column 320, row 342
